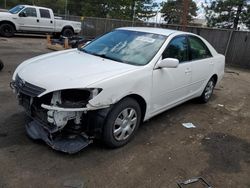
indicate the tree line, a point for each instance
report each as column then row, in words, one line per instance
column 228, row 14
column 119, row 9
column 218, row 13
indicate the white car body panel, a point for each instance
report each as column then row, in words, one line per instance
column 43, row 25
column 160, row 88
column 60, row 74
column 169, row 86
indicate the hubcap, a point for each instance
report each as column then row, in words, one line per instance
column 125, row 124
column 209, row 89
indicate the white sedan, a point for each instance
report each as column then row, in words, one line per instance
column 108, row 87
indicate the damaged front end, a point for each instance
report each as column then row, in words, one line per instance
column 63, row 119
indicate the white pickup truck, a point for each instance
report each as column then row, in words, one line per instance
column 33, row 19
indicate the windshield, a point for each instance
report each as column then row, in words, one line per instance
column 132, row 47
column 16, row 9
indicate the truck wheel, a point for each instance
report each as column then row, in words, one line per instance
column 67, row 32
column 7, row 30
column 122, row 123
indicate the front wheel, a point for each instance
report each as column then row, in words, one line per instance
column 122, row 123
column 208, row 91
column 7, row 30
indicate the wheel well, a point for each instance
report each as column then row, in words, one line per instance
column 68, row 27
column 8, row 22
column 141, row 102
column 215, row 77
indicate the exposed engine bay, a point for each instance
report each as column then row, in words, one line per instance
column 63, row 119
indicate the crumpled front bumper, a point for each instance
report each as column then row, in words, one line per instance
column 68, row 144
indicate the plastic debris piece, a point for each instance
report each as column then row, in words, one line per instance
column 188, row 125
column 220, row 105
column 199, row 180
column 73, row 184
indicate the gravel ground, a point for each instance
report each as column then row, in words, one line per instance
column 162, row 153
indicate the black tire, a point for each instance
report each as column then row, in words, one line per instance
column 7, row 30
column 208, row 91
column 1, row 65
column 67, row 32
column 109, row 126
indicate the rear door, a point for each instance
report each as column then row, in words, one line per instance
column 202, row 64
column 170, row 85
column 28, row 19
column 46, row 20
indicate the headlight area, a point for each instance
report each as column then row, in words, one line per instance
column 67, row 119
column 69, row 105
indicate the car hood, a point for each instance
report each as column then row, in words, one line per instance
column 69, row 69
column 5, row 14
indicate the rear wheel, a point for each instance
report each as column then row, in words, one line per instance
column 67, row 32
column 122, row 123
column 208, row 91
column 7, row 30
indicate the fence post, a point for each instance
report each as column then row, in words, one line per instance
column 105, row 28
column 228, row 42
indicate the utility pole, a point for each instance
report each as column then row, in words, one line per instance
column 133, row 9
column 157, row 7
column 66, row 8
column 185, row 14
column 5, row 6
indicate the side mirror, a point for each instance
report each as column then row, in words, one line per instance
column 22, row 14
column 168, row 63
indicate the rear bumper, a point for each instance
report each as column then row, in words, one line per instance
column 65, row 143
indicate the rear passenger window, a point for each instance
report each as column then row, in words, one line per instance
column 198, row 49
column 178, row 49
column 44, row 13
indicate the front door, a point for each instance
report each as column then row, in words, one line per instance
column 170, row 85
column 28, row 20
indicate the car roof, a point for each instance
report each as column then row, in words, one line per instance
column 153, row 30
column 33, row 6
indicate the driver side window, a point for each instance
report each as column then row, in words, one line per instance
column 177, row 48
column 29, row 12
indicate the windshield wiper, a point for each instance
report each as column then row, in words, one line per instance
column 83, row 50
column 107, row 57
column 101, row 55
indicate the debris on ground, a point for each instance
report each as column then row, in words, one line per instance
column 64, row 43
column 232, row 72
column 73, row 184
column 198, row 181
column 188, row 125
column 221, row 105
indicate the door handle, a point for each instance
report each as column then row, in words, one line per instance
column 37, row 20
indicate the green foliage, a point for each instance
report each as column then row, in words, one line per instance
column 119, row 9
column 227, row 13
column 173, row 9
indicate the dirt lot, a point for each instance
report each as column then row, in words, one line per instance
column 162, row 153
